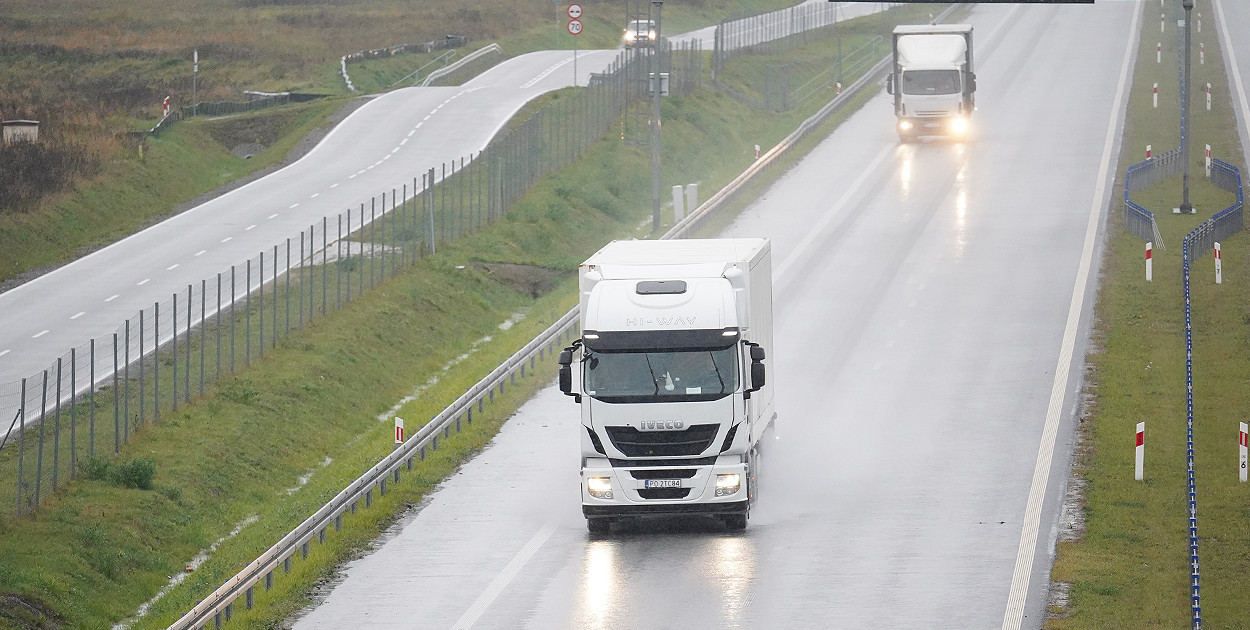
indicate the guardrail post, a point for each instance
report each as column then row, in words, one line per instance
column 269, row 580
column 249, row 598
column 382, row 486
column 286, row 564
column 303, row 550
column 321, row 536
column 217, row 621
column 369, row 497
column 338, row 522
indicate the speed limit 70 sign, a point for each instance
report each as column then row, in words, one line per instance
column 575, row 26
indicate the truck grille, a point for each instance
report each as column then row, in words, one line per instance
column 667, row 473
column 663, row 493
column 686, row 443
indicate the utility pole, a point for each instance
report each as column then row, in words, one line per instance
column 657, row 47
column 1186, row 207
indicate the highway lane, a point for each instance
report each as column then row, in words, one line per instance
column 932, row 305
column 1232, row 25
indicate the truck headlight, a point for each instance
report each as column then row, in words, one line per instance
column 904, row 125
column 629, row 36
column 599, row 487
column 727, row 484
column 959, row 125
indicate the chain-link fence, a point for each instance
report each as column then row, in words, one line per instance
column 1224, row 223
column 1137, row 219
column 91, row 400
column 773, row 32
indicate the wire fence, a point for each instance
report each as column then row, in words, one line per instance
column 1145, row 174
column 95, row 397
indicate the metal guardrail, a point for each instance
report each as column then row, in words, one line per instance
column 1145, row 174
column 467, row 59
column 1226, row 222
column 218, row 605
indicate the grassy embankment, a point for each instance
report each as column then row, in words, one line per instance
column 1131, row 567
column 95, row 552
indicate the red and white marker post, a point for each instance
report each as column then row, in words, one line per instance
column 1159, row 53
column 166, row 107
column 1150, row 268
column 1200, row 21
column 1208, row 158
column 399, row 432
column 1156, row 95
column 839, row 87
column 1140, row 455
column 1162, row 20
column 1241, row 452
column 1208, row 98
column 1147, row 152
column 1202, row 53
column 757, row 151
column 1219, row 265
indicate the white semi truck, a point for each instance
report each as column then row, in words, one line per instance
column 669, row 375
column 932, row 80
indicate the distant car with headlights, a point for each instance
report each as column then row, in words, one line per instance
column 639, row 33
column 932, row 80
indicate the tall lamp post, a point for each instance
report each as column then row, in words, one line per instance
column 1186, row 207
column 654, row 82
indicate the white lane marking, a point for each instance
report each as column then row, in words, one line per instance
column 396, row 149
column 402, row 143
column 353, row 176
column 227, row 239
column 488, row 596
column 378, row 163
column 414, row 130
column 1232, row 65
column 419, row 125
column 294, row 205
column 5, row 352
column 111, row 298
column 542, row 75
column 250, row 227
column 172, row 267
column 386, row 158
column 1014, row 615
column 361, row 171
column 272, row 216
column 334, row 185
column 41, row 334
column 201, row 252
column 314, row 195
column 427, row 116
column 833, row 212
column 80, row 314
column 143, row 282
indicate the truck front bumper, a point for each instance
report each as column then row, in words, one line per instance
column 954, row 126
column 625, row 490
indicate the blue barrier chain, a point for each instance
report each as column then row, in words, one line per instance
column 1189, row 411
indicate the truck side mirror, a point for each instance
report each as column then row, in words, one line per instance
column 972, row 82
column 889, row 84
column 566, row 373
column 757, row 370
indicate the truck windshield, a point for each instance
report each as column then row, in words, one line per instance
column 681, row 375
column 930, row 82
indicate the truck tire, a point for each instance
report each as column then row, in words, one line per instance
column 736, row 522
column 598, row 525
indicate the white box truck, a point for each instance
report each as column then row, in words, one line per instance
column 932, row 80
column 669, row 375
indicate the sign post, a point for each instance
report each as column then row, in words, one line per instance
column 575, row 29
column 1140, row 458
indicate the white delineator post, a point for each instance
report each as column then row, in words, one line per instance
column 1156, row 96
column 399, row 431
column 1150, row 261
column 1162, row 20
column 1219, row 273
column 1202, row 53
column 1208, row 151
column 1140, row 456
column 1208, row 102
column 1159, row 53
column 1147, row 152
column 757, row 151
column 1241, row 452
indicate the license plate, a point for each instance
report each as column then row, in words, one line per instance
column 931, row 125
column 661, row 483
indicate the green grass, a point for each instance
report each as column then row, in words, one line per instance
column 95, row 551
column 1131, row 568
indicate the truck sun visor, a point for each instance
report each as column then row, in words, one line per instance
column 659, row 340
column 661, row 287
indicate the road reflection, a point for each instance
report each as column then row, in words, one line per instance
column 708, row 576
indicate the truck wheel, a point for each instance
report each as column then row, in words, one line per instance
column 736, row 522
column 598, row 525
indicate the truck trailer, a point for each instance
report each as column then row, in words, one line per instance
column 669, row 376
column 932, row 80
